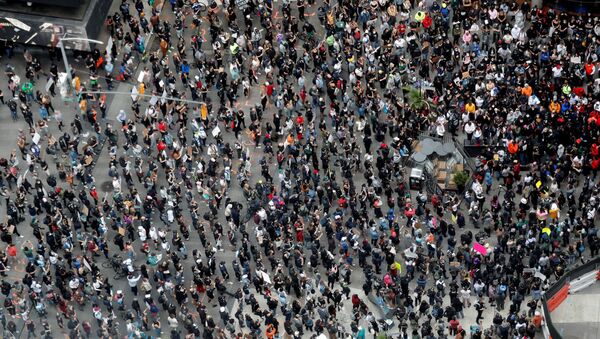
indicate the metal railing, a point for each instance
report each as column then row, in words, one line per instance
column 568, row 276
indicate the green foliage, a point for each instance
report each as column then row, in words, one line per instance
column 461, row 178
column 415, row 99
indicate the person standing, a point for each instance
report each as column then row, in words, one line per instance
column 133, row 281
column 465, row 296
column 479, row 307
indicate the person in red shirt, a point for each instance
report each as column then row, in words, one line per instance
column 303, row 95
column 161, row 146
column 269, row 89
column 590, row 69
column 595, row 163
column 162, row 127
column 453, row 326
column 427, row 22
column 355, row 302
column 94, row 194
column 594, row 151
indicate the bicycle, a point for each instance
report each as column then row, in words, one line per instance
column 122, row 270
column 308, row 38
column 114, row 262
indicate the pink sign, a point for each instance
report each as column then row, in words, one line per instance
column 479, row 248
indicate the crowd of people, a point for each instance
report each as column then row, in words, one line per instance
column 275, row 136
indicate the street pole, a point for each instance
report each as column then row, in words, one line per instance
column 64, row 54
column 67, row 66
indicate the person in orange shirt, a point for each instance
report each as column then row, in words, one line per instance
column 77, row 84
column 83, row 106
column 164, row 47
column 554, row 107
column 270, row 331
column 513, row 147
column 527, row 90
column 537, row 320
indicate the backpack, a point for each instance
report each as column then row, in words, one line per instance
column 63, row 143
column 51, row 181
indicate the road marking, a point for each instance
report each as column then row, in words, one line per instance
column 31, row 37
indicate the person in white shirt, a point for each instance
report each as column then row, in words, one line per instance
column 173, row 323
column 557, row 72
column 440, row 130
column 133, row 281
column 477, row 135
column 465, row 297
column 470, row 129
column 478, row 286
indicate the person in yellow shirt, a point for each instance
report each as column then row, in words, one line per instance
column 470, row 107
column 566, row 89
column 203, row 112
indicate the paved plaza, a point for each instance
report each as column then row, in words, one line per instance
column 310, row 123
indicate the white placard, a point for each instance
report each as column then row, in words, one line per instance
column 36, row 138
column 109, row 44
column 134, row 93
column 216, row 131
column 49, row 84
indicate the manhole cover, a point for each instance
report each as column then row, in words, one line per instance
column 106, row 186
